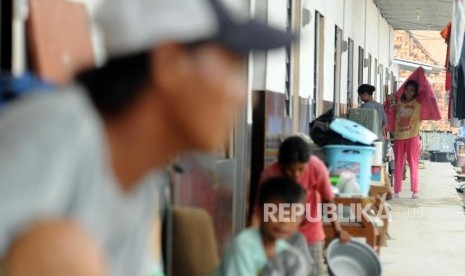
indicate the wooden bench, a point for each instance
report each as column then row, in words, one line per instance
column 365, row 227
column 382, row 194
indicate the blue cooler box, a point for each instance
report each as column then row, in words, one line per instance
column 356, row 159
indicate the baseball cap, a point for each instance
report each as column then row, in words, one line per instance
column 131, row 26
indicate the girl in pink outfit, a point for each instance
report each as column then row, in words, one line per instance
column 406, row 134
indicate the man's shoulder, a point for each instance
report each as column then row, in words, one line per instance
column 66, row 96
column 68, row 108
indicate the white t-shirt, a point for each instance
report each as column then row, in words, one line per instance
column 54, row 164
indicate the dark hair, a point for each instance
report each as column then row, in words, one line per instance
column 415, row 88
column 366, row 88
column 294, row 149
column 280, row 188
column 117, row 83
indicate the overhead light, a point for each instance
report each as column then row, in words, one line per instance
column 418, row 14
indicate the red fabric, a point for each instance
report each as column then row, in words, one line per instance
column 445, row 33
column 447, row 63
column 448, row 79
column 390, row 111
column 429, row 106
column 315, row 180
column 451, row 100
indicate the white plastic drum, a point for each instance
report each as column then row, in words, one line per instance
column 378, row 156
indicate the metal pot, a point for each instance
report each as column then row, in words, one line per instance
column 352, row 259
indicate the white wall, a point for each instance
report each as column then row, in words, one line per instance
column 360, row 21
column 347, row 28
column 307, row 44
column 333, row 12
column 276, row 59
column 384, row 52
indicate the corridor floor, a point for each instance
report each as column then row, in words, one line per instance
column 427, row 235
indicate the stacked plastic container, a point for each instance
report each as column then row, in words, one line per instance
column 356, row 159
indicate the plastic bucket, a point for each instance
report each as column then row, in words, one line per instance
column 356, row 159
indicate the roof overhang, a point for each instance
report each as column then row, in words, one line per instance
column 416, row 14
column 410, row 65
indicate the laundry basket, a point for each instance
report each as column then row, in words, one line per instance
column 356, row 159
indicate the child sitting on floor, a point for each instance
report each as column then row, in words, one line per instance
column 265, row 251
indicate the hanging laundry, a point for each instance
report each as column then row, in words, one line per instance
column 458, row 31
column 426, row 98
column 451, row 97
column 445, row 33
column 458, row 87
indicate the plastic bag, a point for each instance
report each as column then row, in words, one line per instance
column 348, row 183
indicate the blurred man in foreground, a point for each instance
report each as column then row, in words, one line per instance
column 79, row 170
